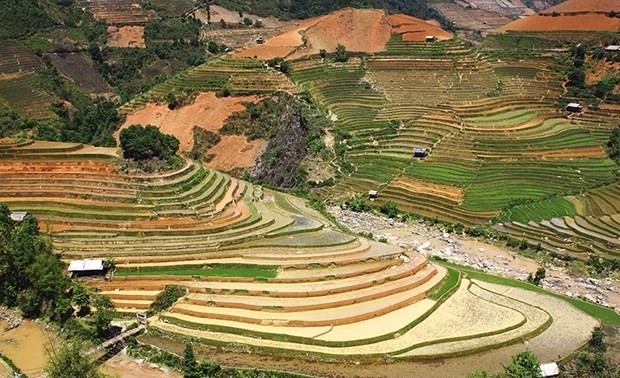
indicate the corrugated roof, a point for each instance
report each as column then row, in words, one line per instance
column 550, row 370
column 18, row 216
column 85, row 265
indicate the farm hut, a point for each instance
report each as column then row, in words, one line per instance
column 550, row 370
column 82, row 268
column 574, row 107
column 18, row 216
column 430, row 38
column 419, row 152
column 260, row 40
column 373, row 194
column 612, row 48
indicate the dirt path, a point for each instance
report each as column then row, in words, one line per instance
column 128, row 367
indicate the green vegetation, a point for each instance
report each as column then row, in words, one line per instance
column 202, row 271
column 613, row 146
column 167, row 297
column 453, row 279
column 144, row 143
column 593, row 361
column 203, row 141
column 70, row 361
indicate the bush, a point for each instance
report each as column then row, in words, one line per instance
column 143, row 143
column 341, row 54
column 167, row 297
column 390, row 209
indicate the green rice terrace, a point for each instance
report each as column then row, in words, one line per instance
column 263, row 271
column 487, row 124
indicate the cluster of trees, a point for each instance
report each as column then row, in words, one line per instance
column 144, row 143
column 576, row 74
column 35, row 280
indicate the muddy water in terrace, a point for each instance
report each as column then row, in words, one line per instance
column 26, row 346
column 453, row 367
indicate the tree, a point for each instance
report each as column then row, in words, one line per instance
column 323, row 53
column 341, row 53
column 143, row 143
column 597, row 341
column 81, row 298
column 190, row 366
column 390, row 209
column 524, row 365
column 247, row 21
column 613, row 146
column 104, row 314
column 540, row 275
column 71, row 362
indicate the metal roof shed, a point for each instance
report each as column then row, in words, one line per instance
column 550, row 370
column 77, row 266
column 18, row 216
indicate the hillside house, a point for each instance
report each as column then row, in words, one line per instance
column 260, row 40
column 86, row 268
column 18, row 216
column 574, row 107
column 430, row 38
column 550, row 370
column 373, row 194
column 419, row 152
column 612, row 48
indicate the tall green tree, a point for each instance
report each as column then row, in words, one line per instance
column 190, row 366
column 70, row 361
column 104, row 314
column 524, row 365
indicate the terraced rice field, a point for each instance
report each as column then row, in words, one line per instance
column 18, row 86
column 240, row 76
column 119, row 12
column 261, row 269
column 489, row 125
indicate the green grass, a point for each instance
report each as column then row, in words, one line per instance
column 219, row 270
column 452, row 280
column 605, row 315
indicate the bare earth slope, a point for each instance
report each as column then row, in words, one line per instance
column 574, row 6
column 359, row 30
column 577, row 15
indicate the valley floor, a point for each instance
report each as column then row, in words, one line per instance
column 466, row 251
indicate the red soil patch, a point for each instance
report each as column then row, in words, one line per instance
column 574, row 6
column 585, row 22
column 359, row 30
column 235, row 151
column 415, row 30
column 126, row 36
column 207, row 111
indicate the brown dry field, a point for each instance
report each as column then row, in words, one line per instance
column 126, row 36
column 235, row 151
column 572, row 6
column 360, row 30
column 449, row 192
column 596, row 22
column 415, row 29
column 207, row 111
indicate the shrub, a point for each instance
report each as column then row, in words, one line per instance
column 143, row 143
column 390, row 209
column 167, row 297
column 341, row 53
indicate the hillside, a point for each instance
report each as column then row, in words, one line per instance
column 263, row 270
column 571, row 15
column 359, row 30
